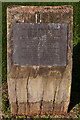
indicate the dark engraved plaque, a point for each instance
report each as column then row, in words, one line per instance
column 40, row 44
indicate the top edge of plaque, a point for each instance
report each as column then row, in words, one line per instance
column 42, row 23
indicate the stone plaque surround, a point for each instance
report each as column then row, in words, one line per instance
column 39, row 89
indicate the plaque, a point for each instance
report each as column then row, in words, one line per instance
column 40, row 44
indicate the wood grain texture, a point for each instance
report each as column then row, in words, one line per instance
column 39, row 89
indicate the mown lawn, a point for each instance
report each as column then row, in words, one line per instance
column 75, row 95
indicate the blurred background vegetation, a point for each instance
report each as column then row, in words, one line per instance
column 75, row 89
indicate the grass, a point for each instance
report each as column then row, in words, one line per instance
column 75, row 95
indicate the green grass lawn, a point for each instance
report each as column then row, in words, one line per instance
column 75, row 95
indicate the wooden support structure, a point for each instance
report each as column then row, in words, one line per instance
column 39, row 89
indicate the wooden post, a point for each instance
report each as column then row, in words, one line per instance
column 39, row 89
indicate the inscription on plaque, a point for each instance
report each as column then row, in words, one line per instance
column 40, row 44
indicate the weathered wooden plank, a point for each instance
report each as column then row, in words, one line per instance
column 41, row 89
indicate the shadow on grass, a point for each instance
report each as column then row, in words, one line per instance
column 75, row 88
